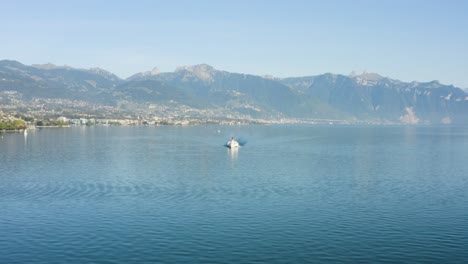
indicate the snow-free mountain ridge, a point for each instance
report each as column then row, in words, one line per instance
column 366, row 96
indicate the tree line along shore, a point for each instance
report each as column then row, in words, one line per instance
column 13, row 125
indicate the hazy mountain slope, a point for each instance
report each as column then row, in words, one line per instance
column 252, row 93
column 152, row 91
column 50, row 81
column 367, row 96
column 370, row 96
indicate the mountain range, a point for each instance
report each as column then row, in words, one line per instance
column 366, row 96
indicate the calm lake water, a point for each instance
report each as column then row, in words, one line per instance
column 292, row 194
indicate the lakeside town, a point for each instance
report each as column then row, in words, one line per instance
column 18, row 113
column 16, row 121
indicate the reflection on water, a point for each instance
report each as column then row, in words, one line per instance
column 233, row 153
column 345, row 194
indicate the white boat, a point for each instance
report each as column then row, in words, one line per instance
column 232, row 143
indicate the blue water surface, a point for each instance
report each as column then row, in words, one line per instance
column 292, row 194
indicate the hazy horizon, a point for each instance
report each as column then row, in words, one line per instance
column 420, row 40
column 353, row 73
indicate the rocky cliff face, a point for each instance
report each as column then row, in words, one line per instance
column 370, row 96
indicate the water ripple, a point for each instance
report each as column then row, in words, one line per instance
column 85, row 190
column 292, row 195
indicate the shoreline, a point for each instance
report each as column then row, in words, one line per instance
column 12, row 131
column 228, row 125
column 66, row 126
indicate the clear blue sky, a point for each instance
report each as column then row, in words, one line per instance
column 407, row 40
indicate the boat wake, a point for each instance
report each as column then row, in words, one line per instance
column 240, row 143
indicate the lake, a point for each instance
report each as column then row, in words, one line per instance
column 291, row 194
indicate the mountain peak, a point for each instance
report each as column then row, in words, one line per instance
column 201, row 71
column 11, row 62
column 99, row 70
column 434, row 84
column 269, row 77
column 353, row 74
column 154, row 71
column 45, row 66
column 104, row 73
column 49, row 66
column 366, row 78
column 372, row 76
column 196, row 68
